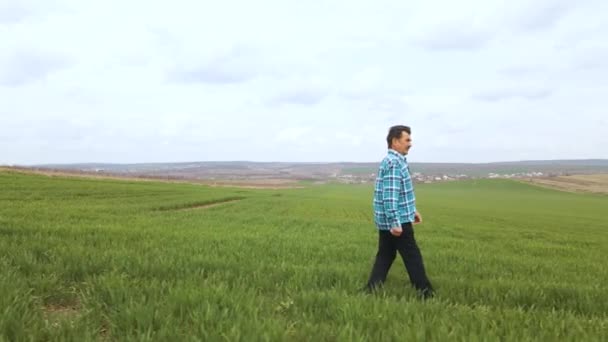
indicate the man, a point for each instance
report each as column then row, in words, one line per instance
column 394, row 214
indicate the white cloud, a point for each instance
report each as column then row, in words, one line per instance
column 300, row 81
column 514, row 93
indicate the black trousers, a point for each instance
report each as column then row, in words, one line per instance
column 388, row 245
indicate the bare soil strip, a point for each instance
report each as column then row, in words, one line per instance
column 576, row 183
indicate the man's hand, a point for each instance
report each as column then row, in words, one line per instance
column 396, row 231
column 417, row 218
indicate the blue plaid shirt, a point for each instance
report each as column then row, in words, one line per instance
column 394, row 200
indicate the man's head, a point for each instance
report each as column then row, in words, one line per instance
column 399, row 139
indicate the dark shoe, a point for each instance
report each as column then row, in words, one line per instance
column 426, row 293
column 369, row 289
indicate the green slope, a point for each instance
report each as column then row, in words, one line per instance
column 111, row 260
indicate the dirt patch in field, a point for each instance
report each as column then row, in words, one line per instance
column 576, row 183
column 57, row 313
column 209, row 205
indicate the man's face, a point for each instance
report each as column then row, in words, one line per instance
column 403, row 144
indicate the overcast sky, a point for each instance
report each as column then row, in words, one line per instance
column 317, row 80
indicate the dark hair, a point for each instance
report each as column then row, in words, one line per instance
column 395, row 133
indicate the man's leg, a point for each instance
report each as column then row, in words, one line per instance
column 412, row 258
column 384, row 259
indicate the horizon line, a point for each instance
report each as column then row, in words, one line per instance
column 295, row 162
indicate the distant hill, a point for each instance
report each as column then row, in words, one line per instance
column 560, row 167
column 320, row 171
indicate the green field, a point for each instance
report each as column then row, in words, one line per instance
column 84, row 259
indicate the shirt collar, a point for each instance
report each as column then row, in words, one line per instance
column 391, row 151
